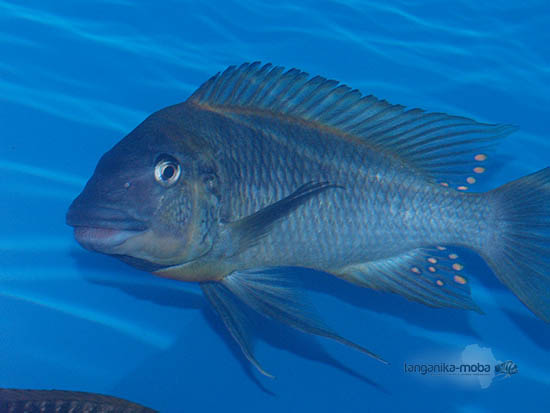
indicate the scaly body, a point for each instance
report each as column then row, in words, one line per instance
column 383, row 208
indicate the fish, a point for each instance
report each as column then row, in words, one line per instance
column 506, row 368
column 53, row 401
column 263, row 172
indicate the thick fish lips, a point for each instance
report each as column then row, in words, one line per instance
column 102, row 229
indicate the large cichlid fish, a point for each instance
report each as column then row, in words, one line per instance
column 261, row 171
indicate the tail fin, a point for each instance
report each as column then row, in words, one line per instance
column 520, row 255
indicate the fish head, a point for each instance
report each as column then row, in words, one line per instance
column 153, row 199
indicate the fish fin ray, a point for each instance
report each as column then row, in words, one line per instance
column 451, row 150
column 273, row 293
column 250, row 229
column 234, row 318
column 431, row 276
column 520, row 252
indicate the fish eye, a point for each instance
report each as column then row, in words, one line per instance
column 167, row 170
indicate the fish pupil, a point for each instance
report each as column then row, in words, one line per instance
column 168, row 172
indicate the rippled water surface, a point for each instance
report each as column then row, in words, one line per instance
column 77, row 76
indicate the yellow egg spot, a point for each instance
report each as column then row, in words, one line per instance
column 453, row 256
column 471, row 180
column 480, row 157
column 457, row 266
column 431, row 269
column 440, row 248
column 459, row 279
column 479, row 170
column 415, row 270
column 432, row 260
column 445, row 184
column 439, row 282
column 462, row 188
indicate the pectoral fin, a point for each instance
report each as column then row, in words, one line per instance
column 250, row 229
column 272, row 293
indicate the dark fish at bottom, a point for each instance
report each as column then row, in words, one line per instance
column 264, row 170
column 56, row 401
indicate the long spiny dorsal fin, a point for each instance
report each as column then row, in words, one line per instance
column 451, row 150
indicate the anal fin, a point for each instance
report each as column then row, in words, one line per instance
column 431, row 276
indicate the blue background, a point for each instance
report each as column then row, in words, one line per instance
column 76, row 76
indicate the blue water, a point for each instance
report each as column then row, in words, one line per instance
column 75, row 77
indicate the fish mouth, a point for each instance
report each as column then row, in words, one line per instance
column 102, row 229
column 102, row 239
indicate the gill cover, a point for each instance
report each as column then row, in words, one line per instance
column 185, row 222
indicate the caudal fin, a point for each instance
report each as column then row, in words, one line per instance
column 520, row 253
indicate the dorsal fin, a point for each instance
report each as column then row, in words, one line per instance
column 451, row 150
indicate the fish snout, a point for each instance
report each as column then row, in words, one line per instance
column 101, row 228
